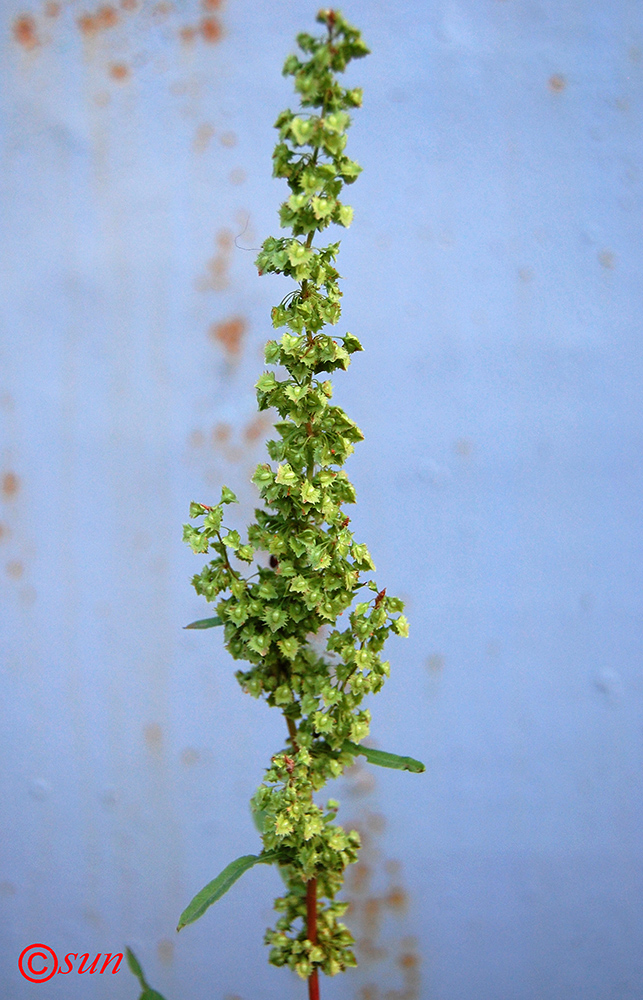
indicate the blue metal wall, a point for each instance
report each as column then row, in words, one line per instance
column 493, row 274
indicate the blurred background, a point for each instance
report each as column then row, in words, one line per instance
column 493, row 273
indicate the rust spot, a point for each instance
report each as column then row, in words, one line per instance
column 221, row 433
column 4, row 532
column 165, row 951
column 229, row 333
column 372, row 911
column 210, row 29
column 393, row 867
column 435, row 662
column 408, row 960
column 376, row 822
column 129, row 4
column 397, row 898
column 10, row 485
column 228, row 139
column 237, row 176
column 190, row 757
column 153, row 735
column 210, row 4
column 254, row 430
column 225, row 239
column 202, row 138
column 187, row 34
column 24, row 31
column 557, row 83
column 119, row 72
column 52, row 9
column 360, row 877
column 105, row 17
column 606, row 259
column 15, row 569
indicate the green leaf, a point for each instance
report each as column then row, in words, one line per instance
column 135, row 966
column 219, row 886
column 205, row 623
column 384, row 759
column 227, row 496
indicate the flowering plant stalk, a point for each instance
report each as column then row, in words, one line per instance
column 282, row 619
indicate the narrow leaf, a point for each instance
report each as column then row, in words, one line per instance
column 205, row 623
column 135, row 967
column 219, row 886
column 384, row 759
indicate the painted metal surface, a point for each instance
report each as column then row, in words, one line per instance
column 493, row 273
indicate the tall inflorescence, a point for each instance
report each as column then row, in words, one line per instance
column 283, row 619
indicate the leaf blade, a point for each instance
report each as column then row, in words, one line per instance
column 205, row 623
column 384, row 759
column 218, row 887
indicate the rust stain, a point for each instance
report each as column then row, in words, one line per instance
column 4, row 532
column 210, row 29
column 202, row 138
column 15, row 569
column 221, row 433
column 129, row 4
column 211, row 4
column 254, row 430
column 229, row 333
column 557, row 83
column 162, row 9
column 237, row 176
column 165, row 951
column 228, row 139
column 10, row 485
column 25, row 33
column 187, row 34
column 119, row 72
column 104, row 18
column 52, row 9
column 153, row 735
column 216, row 278
column 435, row 662
column 397, row 898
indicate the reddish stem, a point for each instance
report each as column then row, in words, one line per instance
column 311, row 930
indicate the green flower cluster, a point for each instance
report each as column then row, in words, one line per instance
column 282, row 619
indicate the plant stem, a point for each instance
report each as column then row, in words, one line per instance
column 292, row 732
column 311, row 931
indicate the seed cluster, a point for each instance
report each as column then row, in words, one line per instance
column 315, row 569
